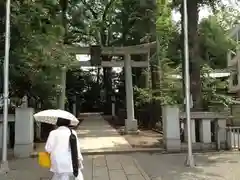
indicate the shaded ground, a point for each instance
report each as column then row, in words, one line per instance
column 145, row 139
column 209, row 166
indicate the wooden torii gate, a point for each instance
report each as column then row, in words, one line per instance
column 131, row 124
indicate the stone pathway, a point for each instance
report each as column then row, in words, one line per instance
column 209, row 166
column 101, row 167
column 96, row 135
column 113, row 167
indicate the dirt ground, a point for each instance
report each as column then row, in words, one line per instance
column 145, row 139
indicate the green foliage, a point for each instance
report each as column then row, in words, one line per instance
column 228, row 16
column 37, row 51
column 214, row 89
column 214, row 42
column 171, row 87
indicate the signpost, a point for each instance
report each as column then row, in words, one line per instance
column 189, row 160
column 4, row 163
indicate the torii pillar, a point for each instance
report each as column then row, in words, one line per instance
column 131, row 124
column 62, row 96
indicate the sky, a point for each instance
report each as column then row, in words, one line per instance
column 204, row 13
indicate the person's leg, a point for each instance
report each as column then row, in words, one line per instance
column 55, row 176
column 60, row 177
column 80, row 176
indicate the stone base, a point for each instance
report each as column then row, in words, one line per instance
column 131, row 126
column 4, row 168
column 173, row 145
column 23, row 150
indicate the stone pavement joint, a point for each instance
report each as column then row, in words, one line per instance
column 116, row 167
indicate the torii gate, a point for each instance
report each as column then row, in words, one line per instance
column 131, row 124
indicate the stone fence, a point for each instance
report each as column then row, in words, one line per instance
column 209, row 127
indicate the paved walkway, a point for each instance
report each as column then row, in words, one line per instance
column 101, row 167
column 209, row 166
column 113, row 167
column 96, row 135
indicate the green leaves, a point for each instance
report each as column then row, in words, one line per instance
column 37, row 50
column 214, row 42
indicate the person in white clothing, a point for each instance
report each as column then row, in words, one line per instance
column 64, row 149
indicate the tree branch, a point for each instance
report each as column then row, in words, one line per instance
column 108, row 6
column 90, row 9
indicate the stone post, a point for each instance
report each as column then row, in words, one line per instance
column 193, row 133
column 205, row 131
column 39, row 130
column 63, row 89
column 113, row 107
column 171, row 128
column 74, row 106
column 221, row 133
column 131, row 124
column 24, row 132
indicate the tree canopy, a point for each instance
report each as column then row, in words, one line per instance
column 40, row 30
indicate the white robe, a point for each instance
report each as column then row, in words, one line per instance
column 59, row 149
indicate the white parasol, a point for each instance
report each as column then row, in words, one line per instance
column 51, row 116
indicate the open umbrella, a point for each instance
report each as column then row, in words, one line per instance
column 51, row 116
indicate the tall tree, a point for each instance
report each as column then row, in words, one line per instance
column 36, row 51
column 194, row 48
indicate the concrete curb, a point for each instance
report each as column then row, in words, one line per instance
column 124, row 151
column 154, row 150
column 145, row 150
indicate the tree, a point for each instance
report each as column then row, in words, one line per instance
column 110, row 23
column 214, row 42
column 194, row 48
column 36, row 50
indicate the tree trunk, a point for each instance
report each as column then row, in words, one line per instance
column 107, row 81
column 155, row 78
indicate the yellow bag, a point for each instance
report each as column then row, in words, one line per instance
column 44, row 159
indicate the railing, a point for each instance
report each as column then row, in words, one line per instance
column 205, row 132
column 232, row 137
column 208, row 129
